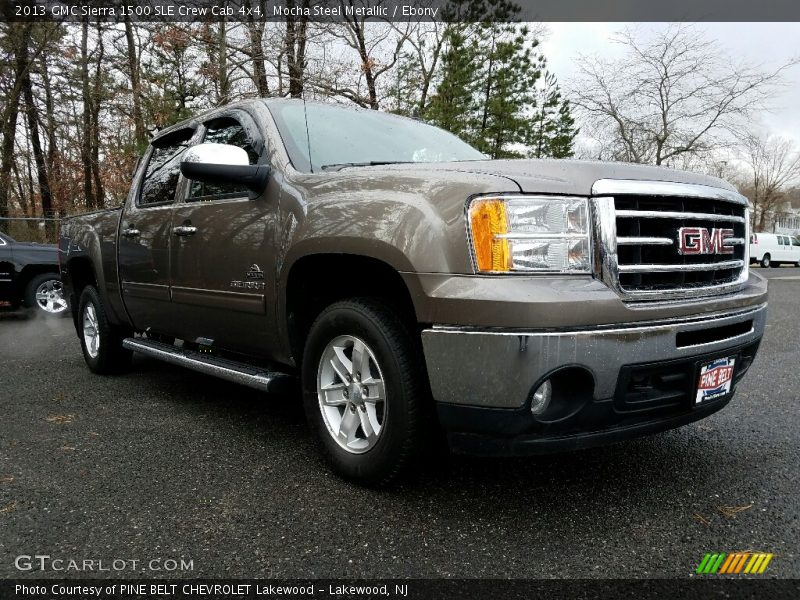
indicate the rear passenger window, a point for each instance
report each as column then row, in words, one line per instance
column 795, row 242
column 780, row 240
column 224, row 131
column 164, row 168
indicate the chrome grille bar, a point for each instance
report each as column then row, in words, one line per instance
column 644, row 241
column 659, row 268
column 668, row 214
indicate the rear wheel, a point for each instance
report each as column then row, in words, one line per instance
column 765, row 261
column 101, row 341
column 365, row 391
column 45, row 294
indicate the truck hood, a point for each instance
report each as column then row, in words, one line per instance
column 551, row 176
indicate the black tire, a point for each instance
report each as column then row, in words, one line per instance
column 765, row 261
column 109, row 356
column 30, row 294
column 407, row 410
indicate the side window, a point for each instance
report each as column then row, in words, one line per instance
column 780, row 240
column 224, row 131
column 795, row 242
column 164, row 168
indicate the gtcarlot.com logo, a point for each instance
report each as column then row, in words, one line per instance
column 734, row 563
column 45, row 562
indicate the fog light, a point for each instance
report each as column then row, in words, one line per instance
column 541, row 398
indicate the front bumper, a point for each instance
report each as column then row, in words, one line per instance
column 616, row 381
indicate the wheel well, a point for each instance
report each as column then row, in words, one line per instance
column 81, row 274
column 31, row 271
column 319, row 280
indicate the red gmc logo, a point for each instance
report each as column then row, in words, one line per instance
column 699, row 240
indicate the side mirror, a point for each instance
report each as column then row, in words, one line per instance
column 223, row 163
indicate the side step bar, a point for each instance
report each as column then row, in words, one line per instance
column 230, row 370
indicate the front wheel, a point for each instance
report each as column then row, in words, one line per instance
column 365, row 391
column 101, row 341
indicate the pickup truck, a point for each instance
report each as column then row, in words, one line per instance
column 416, row 291
column 29, row 276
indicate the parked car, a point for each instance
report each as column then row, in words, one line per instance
column 412, row 286
column 774, row 250
column 29, row 276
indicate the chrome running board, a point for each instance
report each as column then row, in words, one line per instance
column 229, row 370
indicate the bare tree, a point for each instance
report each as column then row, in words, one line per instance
column 670, row 94
column 773, row 164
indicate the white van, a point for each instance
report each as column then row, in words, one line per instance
column 774, row 249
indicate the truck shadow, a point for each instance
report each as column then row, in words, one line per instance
column 675, row 462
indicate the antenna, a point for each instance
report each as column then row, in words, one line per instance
column 308, row 137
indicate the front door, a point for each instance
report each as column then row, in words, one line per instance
column 223, row 255
column 145, row 236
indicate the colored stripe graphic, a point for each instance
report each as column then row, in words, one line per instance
column 734, row 563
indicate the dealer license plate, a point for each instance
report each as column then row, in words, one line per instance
column 716, row 378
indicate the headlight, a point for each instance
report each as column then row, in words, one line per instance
column 530, row 234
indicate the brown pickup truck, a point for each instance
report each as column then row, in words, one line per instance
column 413, row 287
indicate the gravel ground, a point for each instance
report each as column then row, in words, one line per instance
column 163, row 463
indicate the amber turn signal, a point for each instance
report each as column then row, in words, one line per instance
column 488, row 219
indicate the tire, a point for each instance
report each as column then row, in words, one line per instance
column 765, row 261
column 101, row 341
column 45, row 295
column 400, row 422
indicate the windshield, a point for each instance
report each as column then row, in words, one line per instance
column 340, row 137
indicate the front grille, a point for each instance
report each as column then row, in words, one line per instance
column 648, row 262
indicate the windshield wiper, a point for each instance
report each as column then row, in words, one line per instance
column 371, row 163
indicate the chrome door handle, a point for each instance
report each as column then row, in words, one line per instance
column 130, row 232
column 184, row 230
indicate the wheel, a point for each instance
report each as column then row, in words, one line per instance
column 45, row 294
column 101, row 341
column 765, row 261
column 365, row 391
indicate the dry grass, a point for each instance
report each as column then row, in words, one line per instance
column 59, row 419
column 11, row 507
column 731, row 511
column 701, row 519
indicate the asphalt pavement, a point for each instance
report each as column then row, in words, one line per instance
column 162, row 464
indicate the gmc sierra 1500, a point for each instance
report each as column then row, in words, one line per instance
column 413, row 286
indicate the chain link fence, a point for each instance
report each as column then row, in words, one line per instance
column 31, row 229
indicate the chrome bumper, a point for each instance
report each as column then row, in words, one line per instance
column 499, row 368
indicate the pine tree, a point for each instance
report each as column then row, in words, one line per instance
column 493, row 90
column 452, row 106
column 553, row 131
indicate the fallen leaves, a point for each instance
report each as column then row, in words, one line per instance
column 59, row 419
column 6, row 479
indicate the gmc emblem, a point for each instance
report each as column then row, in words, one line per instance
column 699, row 240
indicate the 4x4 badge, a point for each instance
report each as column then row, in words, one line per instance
column 255, row 272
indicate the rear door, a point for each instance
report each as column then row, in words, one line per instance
column 146, row 235
column 223, row 253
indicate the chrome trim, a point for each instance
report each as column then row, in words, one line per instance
column 610, row 187
column 641, row 327
column 542, row 236
column 668, row 214
column 644, row 241
column 733, row 241
column 658, row 268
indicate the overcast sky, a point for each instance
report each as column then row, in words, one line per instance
column 769, row 44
